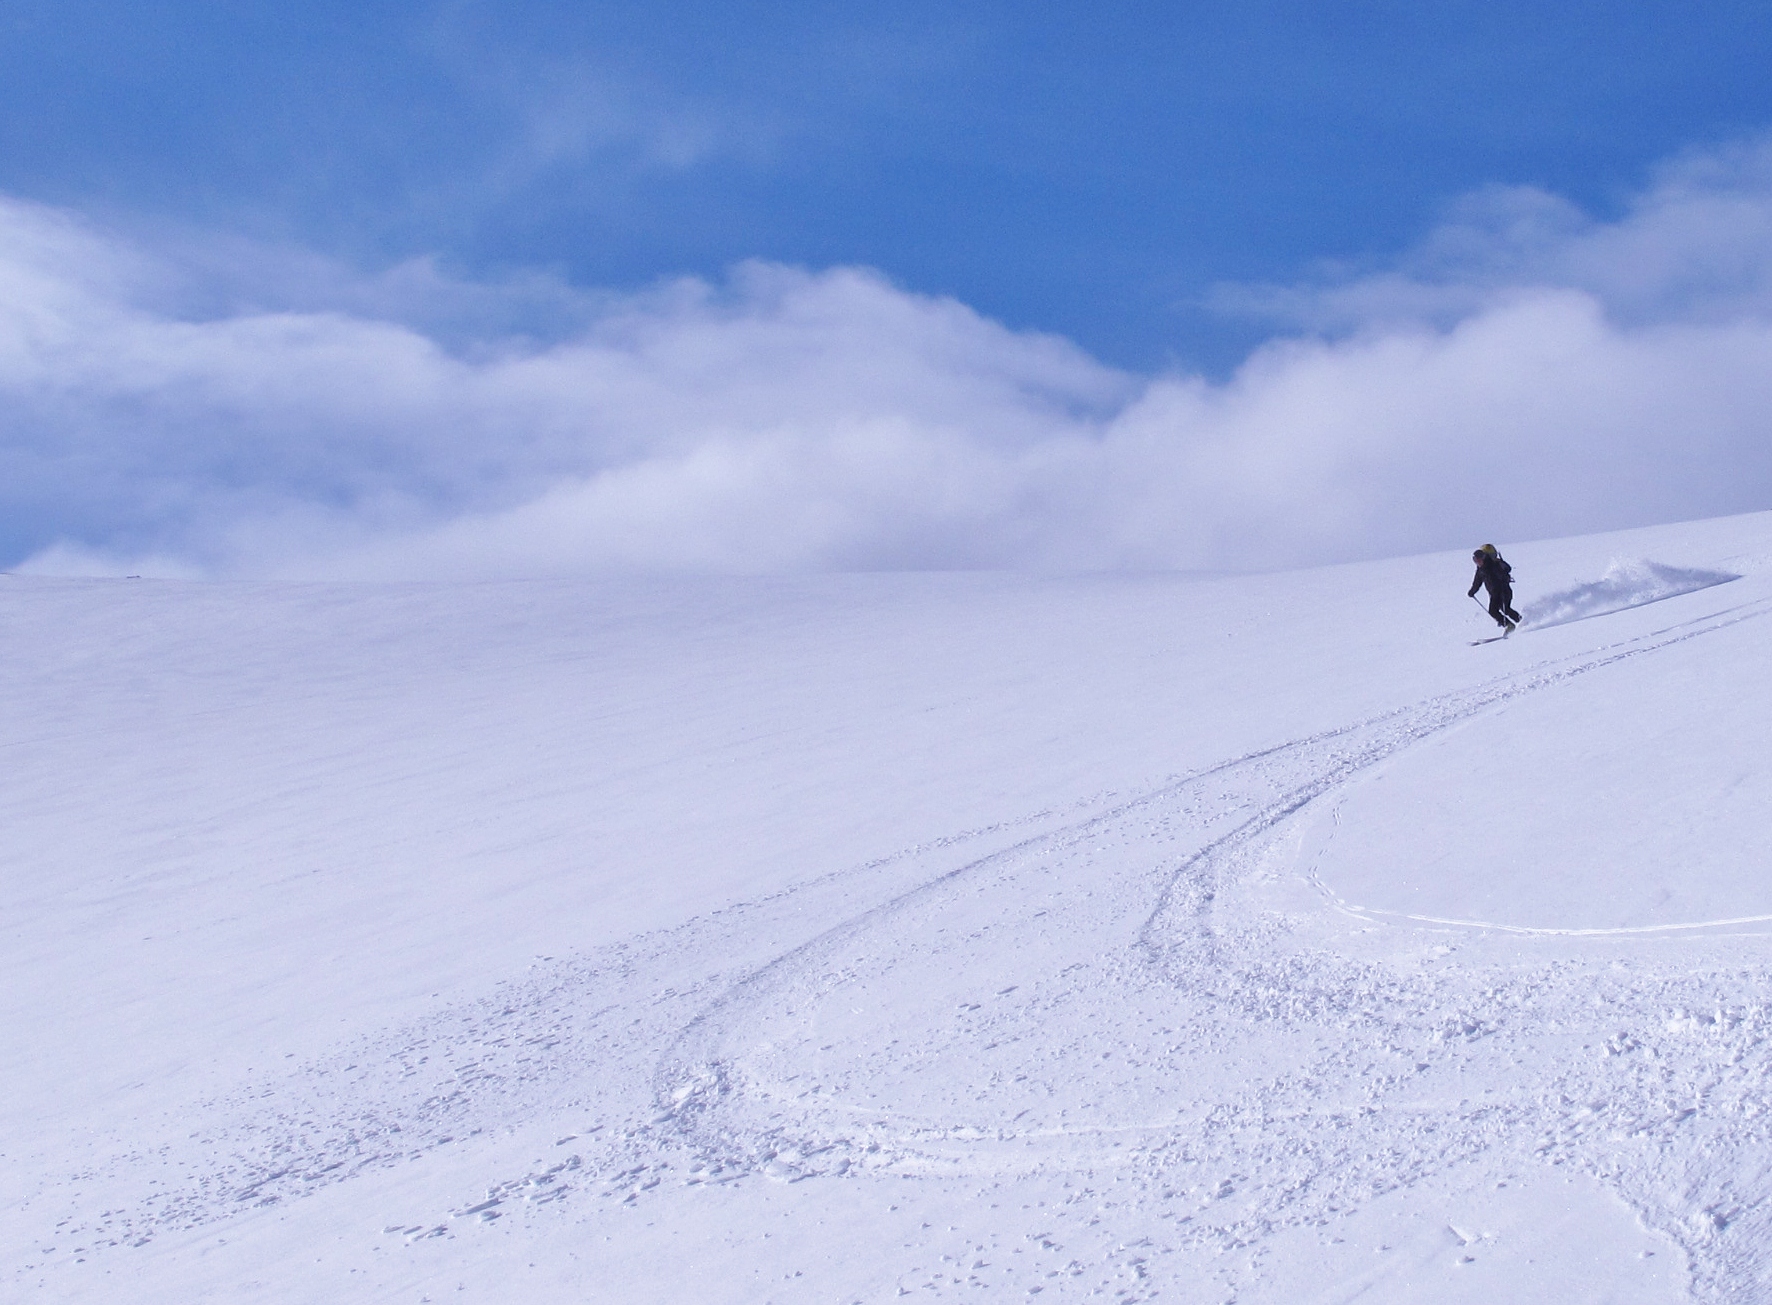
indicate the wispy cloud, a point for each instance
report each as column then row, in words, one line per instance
column 1696, row 246
column 1528, row 371
column 555, row 110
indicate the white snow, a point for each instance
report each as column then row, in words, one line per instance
column 1629, row 800
column 851, row 937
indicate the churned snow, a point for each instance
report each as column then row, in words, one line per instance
column 856, row 937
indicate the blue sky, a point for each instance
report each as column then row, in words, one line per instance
column 411, row 290
column 1089, row 170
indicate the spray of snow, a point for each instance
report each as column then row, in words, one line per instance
column 1628, row 582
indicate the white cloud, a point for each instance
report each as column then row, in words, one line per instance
column 1695, row 246
column 1526, row 371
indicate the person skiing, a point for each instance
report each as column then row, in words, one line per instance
column 1495, row 575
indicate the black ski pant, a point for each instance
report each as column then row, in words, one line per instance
column 1501, row 604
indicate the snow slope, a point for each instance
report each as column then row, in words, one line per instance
column 843, row 938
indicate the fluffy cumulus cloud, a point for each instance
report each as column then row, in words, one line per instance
column 1528, row 371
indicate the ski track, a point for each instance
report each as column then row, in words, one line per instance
column 1173, row 1035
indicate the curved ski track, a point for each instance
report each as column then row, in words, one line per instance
column 1149, row 999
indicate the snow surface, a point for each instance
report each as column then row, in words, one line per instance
column 845, row 938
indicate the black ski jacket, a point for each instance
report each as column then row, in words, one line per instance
column 1493, row 574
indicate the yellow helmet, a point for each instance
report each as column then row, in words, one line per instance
column 1489, row 549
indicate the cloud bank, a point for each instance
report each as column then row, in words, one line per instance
column 1528, row 371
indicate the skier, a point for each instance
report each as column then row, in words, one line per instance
column 1495, row 575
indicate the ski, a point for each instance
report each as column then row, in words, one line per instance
column 1494, row 638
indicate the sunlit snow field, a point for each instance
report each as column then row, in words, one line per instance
column 843, row 938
